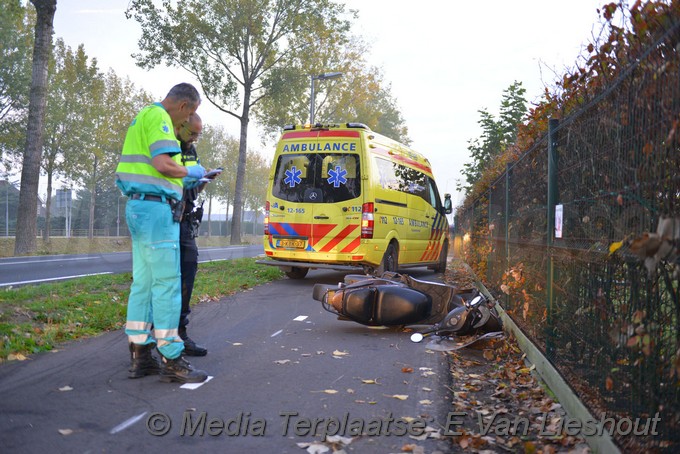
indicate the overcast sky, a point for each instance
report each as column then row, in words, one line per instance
column 445, row 60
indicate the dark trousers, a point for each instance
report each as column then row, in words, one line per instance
column 188, row 252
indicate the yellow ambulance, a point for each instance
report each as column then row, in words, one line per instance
column 346, row 198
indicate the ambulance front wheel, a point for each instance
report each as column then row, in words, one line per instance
column 297, row 272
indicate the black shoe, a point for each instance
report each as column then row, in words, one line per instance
column 191, row 348
column 143, row 363
column 180, row 370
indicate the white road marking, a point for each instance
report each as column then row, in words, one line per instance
column 20, row 262
column 215, row 260
column 276, row 333
column 196, row 385
column 222, row 248
column 127, row 423
column 300, row 318
column 53, row 279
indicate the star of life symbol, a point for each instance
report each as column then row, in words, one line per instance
column 337, row 176
column 293, row 177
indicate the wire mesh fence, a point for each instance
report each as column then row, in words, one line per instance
column 582, row 250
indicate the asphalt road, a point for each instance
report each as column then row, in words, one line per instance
column 280, row 365
column 17, row 271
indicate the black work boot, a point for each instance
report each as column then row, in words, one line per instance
column 191, row 348
column 180, row 370
column 143, row 363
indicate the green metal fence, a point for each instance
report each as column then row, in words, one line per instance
column 566, row 237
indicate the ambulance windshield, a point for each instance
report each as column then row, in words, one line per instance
column 317, row 177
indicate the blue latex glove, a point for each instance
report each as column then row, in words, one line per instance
column 196, row 171
column 190, row 183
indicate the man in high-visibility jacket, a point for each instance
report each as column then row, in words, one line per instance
column 150, row 177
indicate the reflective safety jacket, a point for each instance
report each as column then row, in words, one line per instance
column 150, row 134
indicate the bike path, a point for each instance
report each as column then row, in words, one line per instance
column 282, row 368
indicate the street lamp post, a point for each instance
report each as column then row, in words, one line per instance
column 324, row 76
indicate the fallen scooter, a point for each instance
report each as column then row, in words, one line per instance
column 401, row 300
column 389, row 300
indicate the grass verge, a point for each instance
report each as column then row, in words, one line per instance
column 38, row 318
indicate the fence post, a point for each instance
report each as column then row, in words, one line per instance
column 552, row 200
column 472, row 231
column 490, row 240
column 507, row 223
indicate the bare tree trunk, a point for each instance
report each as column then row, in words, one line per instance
column 240, row 171
column 26, row 230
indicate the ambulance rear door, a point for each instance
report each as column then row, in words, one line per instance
column 316, row 210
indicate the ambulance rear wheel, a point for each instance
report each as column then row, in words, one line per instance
column 390, row 261
column 297, row 272
column 443, row 257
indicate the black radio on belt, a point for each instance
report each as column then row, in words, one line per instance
column 177, row 210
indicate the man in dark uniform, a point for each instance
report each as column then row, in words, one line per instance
column 188, row 230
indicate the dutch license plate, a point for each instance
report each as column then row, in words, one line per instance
column 293, row 244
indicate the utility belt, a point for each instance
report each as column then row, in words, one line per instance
column 194, row 218
column 176, row 206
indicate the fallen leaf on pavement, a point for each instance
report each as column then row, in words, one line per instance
column 415, row 449
column 314, row 448
column 17, row 357
column 339, row 439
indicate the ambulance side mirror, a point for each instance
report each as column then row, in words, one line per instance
column 448, row 205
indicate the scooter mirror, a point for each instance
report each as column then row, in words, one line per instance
column 416, row 337
column 476, row 300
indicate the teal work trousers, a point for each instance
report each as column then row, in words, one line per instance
column 156, row 293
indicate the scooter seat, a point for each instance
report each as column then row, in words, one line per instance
column 389, row 305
